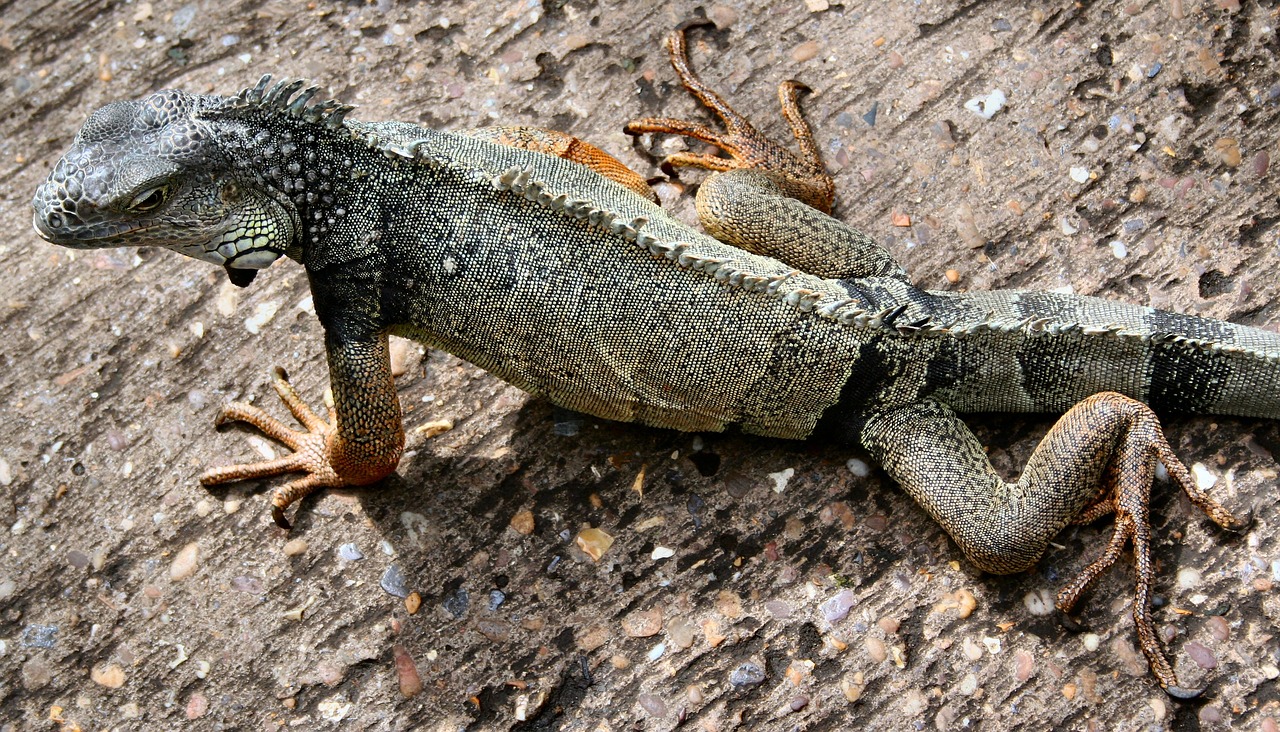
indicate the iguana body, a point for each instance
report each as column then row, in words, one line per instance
column 577, row 287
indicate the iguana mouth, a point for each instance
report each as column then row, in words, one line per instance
column 58, row 227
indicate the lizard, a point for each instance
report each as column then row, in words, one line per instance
column 546, row 262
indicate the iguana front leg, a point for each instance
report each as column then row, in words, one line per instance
column 359, row 444
column 1099, row 457
column 762, row 197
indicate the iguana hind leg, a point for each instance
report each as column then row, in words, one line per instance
column 1099, row 458
column 762, row 197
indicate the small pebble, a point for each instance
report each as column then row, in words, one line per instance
column 953, row 276
column 1261, row 162
column 294, row 547
column 77, row 559
column 1210, row 714
column 392, row 582
column 1024, row 665
column 407, row 671
column 594, row 542
column 1039, row 602
column 457, row 603
column 876, row 649
column 652, row 705
column 36, row 674
column 412, row 603
column 858, row 467
column 837, row 608
column 110, row 676
column 643, row 623
column 778, row 609
column 350, row 552
column 522, row 522
column 246, row 584
column 1138, row 194
column 986, row 106
column 1090, row 641
column 662, row 552
column 852, row 687
column 496, row 631
column 1228, row 151
column 1204, row 479
column 746, row 674
column 805, row 51
column 1080, row 174
column 656, row 652
column 693, row 694
column 682, row 632
column 496, row 598
column 1118, row 249
column 798, row 702
column 1188, row 578
column 197, row 706
column 971, row 649
column 1201, row 654
column 184, row 564
column 781, row 478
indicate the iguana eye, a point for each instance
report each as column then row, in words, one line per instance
column 149, row 200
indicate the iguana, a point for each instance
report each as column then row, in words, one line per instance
column 547, row 263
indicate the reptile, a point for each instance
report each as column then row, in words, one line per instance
column 546, row 262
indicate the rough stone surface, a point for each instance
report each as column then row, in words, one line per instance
column 114, row 363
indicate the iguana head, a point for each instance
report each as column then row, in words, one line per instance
column 156, row 172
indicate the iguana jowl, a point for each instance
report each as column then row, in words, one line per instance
column 545, row 262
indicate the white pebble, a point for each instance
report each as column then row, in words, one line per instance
column 656, row 652
column 1204, row 479
column 262, row 314
column 1080, row 174
column 1275, row 569
column 662, row 552
column 184, row 564
column 992, row 644
column 1039, row 602
column 781, row 478
column 987, row 106
column 858, row 467
column 1119, row 250
column 1068, row 226
column 1091, row 641
column 1188, row 578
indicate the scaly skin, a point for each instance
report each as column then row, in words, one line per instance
column 545, row 262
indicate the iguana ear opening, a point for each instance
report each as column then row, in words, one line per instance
column 240, row 277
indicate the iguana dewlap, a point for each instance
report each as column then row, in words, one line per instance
column 544, row 261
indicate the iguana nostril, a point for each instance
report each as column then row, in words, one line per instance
column 56, row 220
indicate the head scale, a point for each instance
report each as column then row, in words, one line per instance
column 153, row 172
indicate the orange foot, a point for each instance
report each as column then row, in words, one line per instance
column 311, row 450
column 803, row 177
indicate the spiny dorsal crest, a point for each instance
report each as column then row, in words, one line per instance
column 280, row 99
